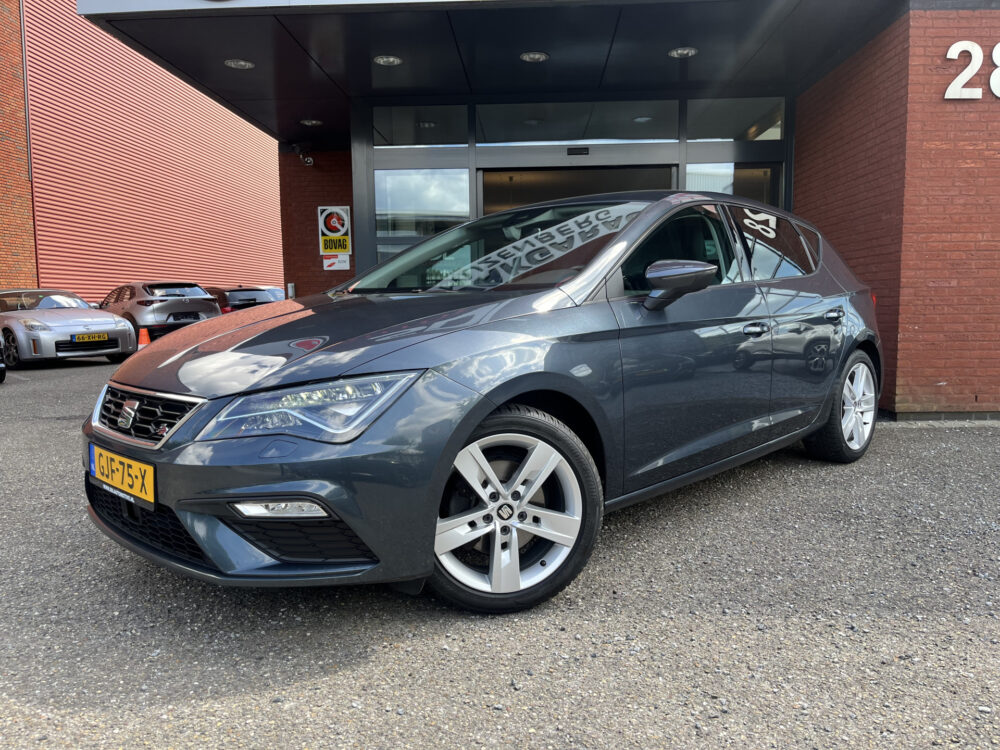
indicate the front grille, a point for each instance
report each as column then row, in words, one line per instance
column 155, row 416
column 63, row 347
column 159, row 528
column 325, row 540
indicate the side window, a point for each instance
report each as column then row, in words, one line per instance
column 112, row 297
column 812, row 240
column 697, row 233
column 127, row 294
column 775, row 247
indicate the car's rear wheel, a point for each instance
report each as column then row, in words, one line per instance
column 11, row 357
column 520, row 513
column 848, row 430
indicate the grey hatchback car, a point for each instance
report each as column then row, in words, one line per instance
column 161, row 306
column 465, row 413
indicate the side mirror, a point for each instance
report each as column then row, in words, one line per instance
column 94, row 306
column 672, row 279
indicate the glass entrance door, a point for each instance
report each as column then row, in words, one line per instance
column 502, row 189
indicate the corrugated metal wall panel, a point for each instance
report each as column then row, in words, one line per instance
column 137, row 175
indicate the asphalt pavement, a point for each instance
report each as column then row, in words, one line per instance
column 787, row 603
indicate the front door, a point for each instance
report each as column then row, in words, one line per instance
column 686, row 402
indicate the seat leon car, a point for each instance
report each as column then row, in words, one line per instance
column 161, row 306
column 39, row 324
column 465, row 413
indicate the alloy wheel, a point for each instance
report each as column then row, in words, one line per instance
column 512, row 515
column 857, row 415
column 10, row 354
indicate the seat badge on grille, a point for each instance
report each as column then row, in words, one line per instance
column 128, row 414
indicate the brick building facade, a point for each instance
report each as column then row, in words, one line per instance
column 906, row 184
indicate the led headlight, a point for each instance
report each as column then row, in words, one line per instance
column 122, row 323
column 31, row 324
column 334, row 412
column 280, row 509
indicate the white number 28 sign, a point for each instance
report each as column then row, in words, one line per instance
column 957, row 89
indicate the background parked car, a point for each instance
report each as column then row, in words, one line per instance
column 53, row 323
column 3, row 365
column 231, row 299
column 161, row 306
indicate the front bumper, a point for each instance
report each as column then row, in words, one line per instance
column 382, row 492
column 58, row 344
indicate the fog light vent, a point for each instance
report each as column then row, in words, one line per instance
column 279, row 509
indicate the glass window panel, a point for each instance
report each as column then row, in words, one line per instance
column 759, row 182
column 577, row 122
column 420, row 202
column 775, row 248
column 698, row 234
column 421, row 126
column 735, row 119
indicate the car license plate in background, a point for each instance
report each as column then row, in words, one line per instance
column 132, row 479
column 80, row 337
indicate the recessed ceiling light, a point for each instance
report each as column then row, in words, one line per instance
column 236, row 64
column 532, row 122
column 311, row 123
column 388, row 61
column 534, row 57
column 642, row 118
column 683, row 53
column 426, row 124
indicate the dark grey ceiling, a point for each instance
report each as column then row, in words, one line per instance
column 310, row 63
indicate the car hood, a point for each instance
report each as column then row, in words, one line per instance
column 311, row 339
column 60, row 317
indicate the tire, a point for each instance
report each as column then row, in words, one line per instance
column 11, row 356
column 742, row 361
column 3, row 374
column 554, row 523
column 848, row 430
column 118, row 358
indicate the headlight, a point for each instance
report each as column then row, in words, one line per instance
column 34, row 325
column 122, row 323
column 335, row 412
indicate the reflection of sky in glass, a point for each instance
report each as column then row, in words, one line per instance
column 717, row 178
column 422, row 191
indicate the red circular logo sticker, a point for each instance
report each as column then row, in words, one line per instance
column 335, row 223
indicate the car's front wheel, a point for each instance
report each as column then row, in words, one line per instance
column 11, row 356
column 848, row 430
column 520, row 514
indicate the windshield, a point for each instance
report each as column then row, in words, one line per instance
column 39, row 299
column 531, row 248
column 175, row 290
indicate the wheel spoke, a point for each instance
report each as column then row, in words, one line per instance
column 505, row 564
column 560, row 528
column 455, row 531
column 859, row 427
column 867, row 403
column 474, row 468
column 540, row 462
column 846, row 421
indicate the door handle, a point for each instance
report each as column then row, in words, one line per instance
column 835, row 315
column 756, row 329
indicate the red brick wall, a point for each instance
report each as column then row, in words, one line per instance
column 850, row 149
column 304, row 189
column 18, row 266
column 949, row 334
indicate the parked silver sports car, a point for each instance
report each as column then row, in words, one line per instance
column 161, row 306
column 53, row 324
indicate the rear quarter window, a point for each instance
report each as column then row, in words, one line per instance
column 774, row 245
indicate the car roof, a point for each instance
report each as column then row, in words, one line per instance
column 38, row 289
column 655, row 196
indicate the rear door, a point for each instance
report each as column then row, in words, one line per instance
column 685, row 403
column 807, row 308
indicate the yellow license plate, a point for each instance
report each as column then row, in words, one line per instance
column 90, row 337
column 133, row 478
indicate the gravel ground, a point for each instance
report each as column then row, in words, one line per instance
column 787, row 603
